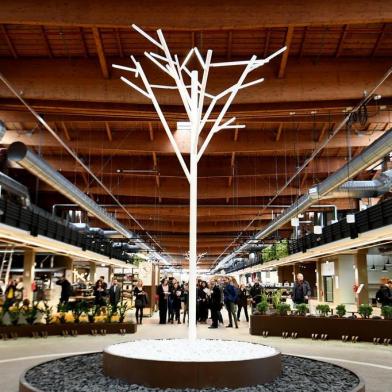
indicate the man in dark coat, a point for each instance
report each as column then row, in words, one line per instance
column 114, row 294
column 230, row 298
column 66, row 290
column 215, row 303
column 384, row 293
column 301, row 290
column 255, row 294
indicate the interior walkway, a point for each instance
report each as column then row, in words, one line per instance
column 372, row 363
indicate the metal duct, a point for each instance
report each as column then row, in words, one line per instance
column 370, row 155
column 18, row 152
column 14, row 187
column 359, row 189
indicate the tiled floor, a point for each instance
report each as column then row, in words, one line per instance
column 372, row 363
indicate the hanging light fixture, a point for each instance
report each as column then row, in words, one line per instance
column 317, row 229
column 388, row 262
column 373, row 267
column 385, row 269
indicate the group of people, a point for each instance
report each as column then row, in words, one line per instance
column 102, row 294
column 211, row 298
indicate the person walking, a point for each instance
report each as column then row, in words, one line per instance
column 66, row 290
column 141, row 301
column 202, row 298
column 114, row 295
column 163, row 295
column 19, row 290
column 384, row 293
column 230, row 299
column 242, row 302
column 301, row 291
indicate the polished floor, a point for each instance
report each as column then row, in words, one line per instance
column 372, row 363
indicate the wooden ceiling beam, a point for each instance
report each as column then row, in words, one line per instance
column 66, row 132
column 266, row 42
column 119, row 43
column 83, row 42
column 254, row 14
column 279, row 132
column 151, row 131
column 221, row 144
column 10, row 45
column 302, row 47
column 229, row 44
column 340, row 46
column 100, row 52
column 322, row 132
column 379, row 39
column 46, row 42
column 78, row 82
column 108, row 132
column 285, row 55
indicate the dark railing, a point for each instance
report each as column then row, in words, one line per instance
column 372, row 218
column 40, row 222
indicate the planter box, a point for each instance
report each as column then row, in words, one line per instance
column 57, row 329
column 365, row 329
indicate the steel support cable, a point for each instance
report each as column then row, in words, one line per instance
column 74, row 155
column 327, row 139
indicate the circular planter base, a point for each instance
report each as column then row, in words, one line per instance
column 85, row 372
column 197, row 364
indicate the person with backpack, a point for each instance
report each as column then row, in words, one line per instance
column 384, row 293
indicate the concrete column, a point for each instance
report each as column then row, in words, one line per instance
column 361, row 276
column 93, row 269
column 345, row 280
column 319, row 281
column 28, row 273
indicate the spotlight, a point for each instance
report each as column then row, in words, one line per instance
column 385, row 268
column 373, row 267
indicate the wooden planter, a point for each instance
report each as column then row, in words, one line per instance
column 335, row 328
column 36, row 330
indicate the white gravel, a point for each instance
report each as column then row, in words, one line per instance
column 183, row 350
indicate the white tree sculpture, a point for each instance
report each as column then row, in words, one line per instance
column 193, row 95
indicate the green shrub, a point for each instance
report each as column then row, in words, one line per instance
column 30, row 313
column 283, row 308
column 262, row 307
column 277, row 298
column 78, row 310
column 341, row 310
column 282, row 249
column 386, row 312
column 323, row 309
column 47, row 312
column 302, row 309
column 122, row 309
column 14, row 313
column 365, row 310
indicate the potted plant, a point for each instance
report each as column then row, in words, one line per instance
column 323, row 309
column 63, row 310
column 283, row 308
column 109, row 313
column 386, row 312
column 365, row 310
column 122, row 309
column 341, row 310
column 277, row 298
column 47, row 312
column 78, row 310
column 92, row 312
column 302, row 309
column 262, row 307
column 30, row 313
column 14, row 314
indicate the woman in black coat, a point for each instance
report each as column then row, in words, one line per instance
column 140, row 301
column 163, row 295
column 242, row 302
column 202, row 299
column 175, row 298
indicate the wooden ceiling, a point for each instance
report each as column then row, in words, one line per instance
column 59, row 57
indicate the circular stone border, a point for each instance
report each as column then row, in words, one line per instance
column 95, row 381
column 255, row 368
